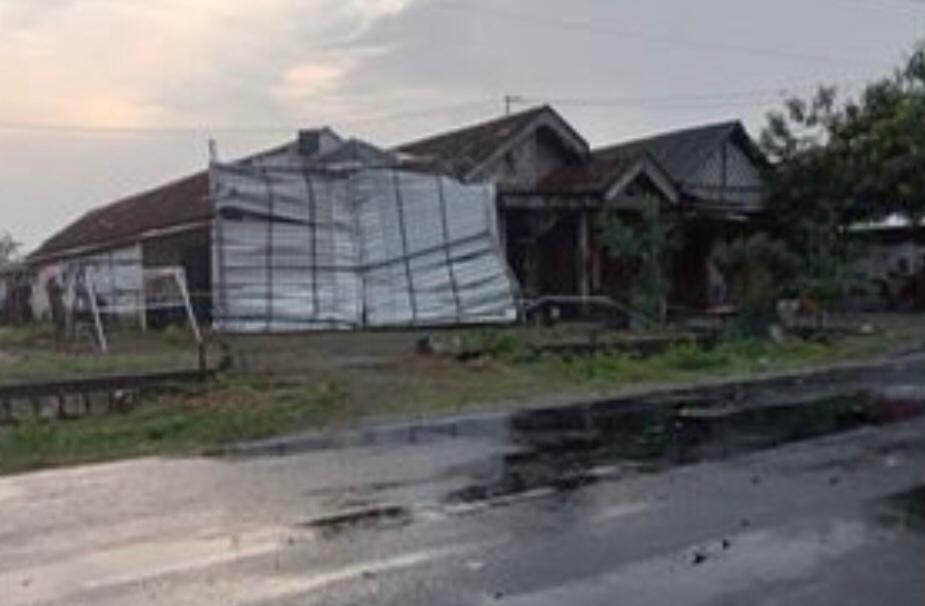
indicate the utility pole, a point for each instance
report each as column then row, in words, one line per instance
column 509, row 100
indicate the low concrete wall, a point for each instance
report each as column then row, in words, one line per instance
column 76, row 398
column 65, row 405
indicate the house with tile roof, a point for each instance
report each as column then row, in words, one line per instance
column 549, row 186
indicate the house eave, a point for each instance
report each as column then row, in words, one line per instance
column 104, row 245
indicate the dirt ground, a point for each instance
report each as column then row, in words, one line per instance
column 33, row 354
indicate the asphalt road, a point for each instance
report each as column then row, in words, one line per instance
column 832, row 519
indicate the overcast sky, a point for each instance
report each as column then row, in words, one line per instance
column 102, row 98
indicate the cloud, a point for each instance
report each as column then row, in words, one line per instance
column 306, row 81
column 118, row 63
column 369, row 12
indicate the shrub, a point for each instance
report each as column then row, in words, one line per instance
column 174, row 334
column 689, row 356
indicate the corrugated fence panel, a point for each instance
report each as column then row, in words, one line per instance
column 299, row 248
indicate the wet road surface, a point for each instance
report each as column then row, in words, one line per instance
column 774, row 500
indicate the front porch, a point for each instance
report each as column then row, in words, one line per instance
column 555, row 251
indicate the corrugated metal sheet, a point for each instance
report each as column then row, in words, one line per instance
column 308, row 247
column 116, row 276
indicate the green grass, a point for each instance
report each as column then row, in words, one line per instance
column 40, row 365
column 169, row 423
column 290, row 383
column 688, row 362
column 32, row 354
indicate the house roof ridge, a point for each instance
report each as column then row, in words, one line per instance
column 498, row 120
column 687, row 130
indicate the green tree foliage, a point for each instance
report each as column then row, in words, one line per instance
column 759, row 270
column 647, row 247
column 838, row 162
column 9, row 249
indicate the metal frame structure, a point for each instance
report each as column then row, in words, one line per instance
column 79, row 278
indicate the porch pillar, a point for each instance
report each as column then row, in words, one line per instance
column 584, row 255
column 502, row 229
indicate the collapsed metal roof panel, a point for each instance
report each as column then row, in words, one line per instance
column 306, row 247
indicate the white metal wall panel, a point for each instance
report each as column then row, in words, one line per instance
column 116, row 276
column 299, row 248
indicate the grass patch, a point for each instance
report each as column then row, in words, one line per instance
column 735, row 358
column 39, row 365
column 170, row 423
column 31, row 335
column 287, row 383
column 31, row 353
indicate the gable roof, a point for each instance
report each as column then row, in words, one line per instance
column 181, row 203
column 178, row 203
column 466, row 150
column 682, row 152
column 608, row 175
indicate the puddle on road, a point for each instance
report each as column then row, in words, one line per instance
column 561, row 449
column 377, row 517
column 905, row 510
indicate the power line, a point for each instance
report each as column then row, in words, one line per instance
column 731, row 99
column 868, row 3
column 888, row 2
column 743, row 104
column 420, row 112
column 673, row 40
column 737, row 98
column 63, row 128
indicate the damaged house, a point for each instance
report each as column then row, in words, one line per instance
column 353, row 237
column 323, row 232
column 319, row 233
column 551, row 186
column 168, row 226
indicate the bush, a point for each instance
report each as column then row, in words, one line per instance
column 759, row 269
column 174, row 334
column 689, row 356
column 495, row 343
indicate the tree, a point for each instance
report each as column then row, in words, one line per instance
column 648, row 248
column 759, row 270
column 9, row 249
column 836, row 163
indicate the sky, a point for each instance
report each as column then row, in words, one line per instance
column 105, row 98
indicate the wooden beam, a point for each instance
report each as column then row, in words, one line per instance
column 542, row 201
column 584, row 254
